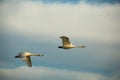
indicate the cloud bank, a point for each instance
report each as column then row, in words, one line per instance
column 45, row 73
column 91, row 22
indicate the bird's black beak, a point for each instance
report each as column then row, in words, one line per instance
column 16, row 56
column 59, row 46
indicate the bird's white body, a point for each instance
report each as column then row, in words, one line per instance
column 67, row 44
column 25, row 56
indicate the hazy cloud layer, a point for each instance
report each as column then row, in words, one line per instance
column 91, row 22
column 45, row 73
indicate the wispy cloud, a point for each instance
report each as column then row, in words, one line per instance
column 45, row 73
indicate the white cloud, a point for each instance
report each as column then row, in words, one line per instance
column 46, row 73
column 95, row 22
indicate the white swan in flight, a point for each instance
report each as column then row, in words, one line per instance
column 25, row 56
column 67, row 44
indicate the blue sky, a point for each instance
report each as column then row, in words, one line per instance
column 36, row 26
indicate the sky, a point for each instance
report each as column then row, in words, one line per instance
column 36, row 25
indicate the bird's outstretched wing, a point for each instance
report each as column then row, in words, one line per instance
column 28, row 61
column 65, row 40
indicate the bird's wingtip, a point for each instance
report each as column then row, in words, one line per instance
column 29, row 66
column 63, row 36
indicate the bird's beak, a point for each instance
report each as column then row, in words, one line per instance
column 16, row 56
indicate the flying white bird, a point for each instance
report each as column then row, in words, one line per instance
column 67, row 44
column 25, row 56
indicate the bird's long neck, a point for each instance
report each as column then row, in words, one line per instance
column 34, row 54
